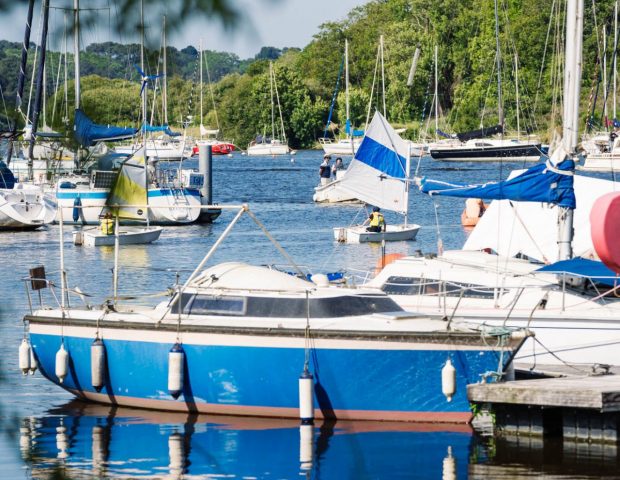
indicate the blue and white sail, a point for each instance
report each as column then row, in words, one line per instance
column 549, row 182
column 378, row 173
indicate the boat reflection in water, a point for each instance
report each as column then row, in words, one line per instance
column 81, row 440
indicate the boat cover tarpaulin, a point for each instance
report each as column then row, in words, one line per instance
column 540, row 183
column 483, row 132
column 161, row 128
column 444, row 134
column 87, row 133
column 582, row 267
column 7, row 179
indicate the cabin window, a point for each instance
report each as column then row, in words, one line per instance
column 280, row 307
column 211, row 305
column 429, row 286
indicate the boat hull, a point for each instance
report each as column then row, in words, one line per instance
column 528, row 152
column 393, row 233
column 126, row 236
column 332, row 193
column 357, row 375
column 25, row 209
column 168, row 206
column 268, row 149
column 341, row 147
column 601, row 162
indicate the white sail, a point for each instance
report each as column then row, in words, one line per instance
column 378, row 172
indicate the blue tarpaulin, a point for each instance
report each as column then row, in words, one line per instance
column 595, row 270
column 540, row 183
column 161, row 128
column 87, row 133
column 7, row 179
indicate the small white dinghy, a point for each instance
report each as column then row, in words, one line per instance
column 392, row 233
column 379, row 176
column 126, row 236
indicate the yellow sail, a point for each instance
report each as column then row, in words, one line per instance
column 128, row 195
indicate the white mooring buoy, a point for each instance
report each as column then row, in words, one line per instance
column 176, row 357
column 448, row 380
column 97, row 364
column 306, row 398
column 62, row 363
column 24, row 356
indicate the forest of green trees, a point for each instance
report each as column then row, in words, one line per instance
column 531, row 40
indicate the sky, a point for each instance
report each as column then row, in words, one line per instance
column 276, row 23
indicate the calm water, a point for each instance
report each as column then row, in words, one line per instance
column 46, row 432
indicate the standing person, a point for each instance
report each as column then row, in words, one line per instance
column 376, row 220
column 324, row 170
column 337, row 166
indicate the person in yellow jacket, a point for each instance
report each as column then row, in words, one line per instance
column 376, row 220
column 107, row 224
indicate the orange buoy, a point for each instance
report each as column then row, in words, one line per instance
column 386, row 260
column 605, row 229
column 474, row 208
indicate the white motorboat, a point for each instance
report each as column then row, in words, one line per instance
column 126, row 236
column 379, row 175
column 343, row 146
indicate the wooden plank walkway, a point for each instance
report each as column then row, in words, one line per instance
column 584, row 408
column 601, row 393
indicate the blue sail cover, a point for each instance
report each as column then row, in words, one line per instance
column 87, row 133
column 161, row 128
column 594, row 270
column 7, row 179
column 540, row 183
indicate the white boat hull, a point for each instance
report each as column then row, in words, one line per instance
column 268, row 149
column 332, row 193
column 359, row 234
column 126, row 236
column 25, row 208
column 342, row 147
column 601, row 162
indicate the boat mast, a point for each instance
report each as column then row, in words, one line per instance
column 382, row 75
column 517, row 92
column 76, row 50
column 605, row 75
column 22, row 73
column 200, row 47
column 165, row 79
column 40, row 80
column 572, row 84
column 498, row 56
column 346, row 87
column 615, row 54
column 436, row 96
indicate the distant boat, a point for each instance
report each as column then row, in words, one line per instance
column 218, row 147
column 379, row 175
column 276, row 144
column 22, row 206
column 127, row 199
column 353, row 139
column 126, row 236
column 473, row 146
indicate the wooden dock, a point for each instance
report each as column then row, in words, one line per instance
column 582, row 408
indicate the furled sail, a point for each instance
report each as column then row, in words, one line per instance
column 130, row 188
column 87, row 133
column 377, row 174
column 161, row 128
column 483, row 132
column 541, row 183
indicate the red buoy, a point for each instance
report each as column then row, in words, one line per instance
column 605, row 229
